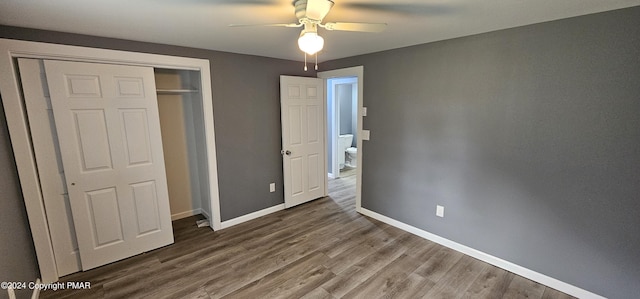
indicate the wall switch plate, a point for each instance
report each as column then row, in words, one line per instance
column 439, row 211
column 272, row 187
column 365, row 134
column 364, row 111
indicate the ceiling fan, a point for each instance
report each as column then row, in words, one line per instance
column 310, row 14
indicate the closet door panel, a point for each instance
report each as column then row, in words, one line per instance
column 104, row 217
column 91, row 139
column 49, row 161
column 146, row 204
column 136, row 136
column 106, row 117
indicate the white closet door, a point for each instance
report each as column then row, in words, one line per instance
column 303, row 145
column 106, row 117
column 50, row 171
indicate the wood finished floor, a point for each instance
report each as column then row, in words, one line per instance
column 322, row 249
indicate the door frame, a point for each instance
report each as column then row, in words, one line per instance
column 16, row 116
column 358, row 72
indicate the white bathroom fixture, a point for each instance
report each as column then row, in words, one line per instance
column 344, row 142
column 352, row 157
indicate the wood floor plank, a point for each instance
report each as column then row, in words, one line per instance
column 176, row 274
column 361, row 271
column 318, row 293
column 342, row 283
column 278, row 236
column 492, row 283
column 320, row 249
column 94, row 292
column 439, row 264
column 185, row 293
column 300, row 278
column 458, row 279
column 521, row 287
column 351, row 240
column 414, row 286
column 550, row 293
column 144, row 282
column 348, row 258
column 118, row 269
column 416, row 246
column 258, row 266
column 383, row 282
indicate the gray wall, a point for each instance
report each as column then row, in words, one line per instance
column 345, row 102
column 348, row 103
column 246, row 103
column 354, row 114
column 16, row 248
column 530, row 138
column 329, row 130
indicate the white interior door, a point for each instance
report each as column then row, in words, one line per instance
column 49, row 161
column 303, row 140
column 106, row 117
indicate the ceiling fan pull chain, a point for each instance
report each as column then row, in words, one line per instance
column 316, row 61
column 305, row 62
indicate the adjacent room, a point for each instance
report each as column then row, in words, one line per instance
column 320, row 149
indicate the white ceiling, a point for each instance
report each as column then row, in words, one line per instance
column 203, row 23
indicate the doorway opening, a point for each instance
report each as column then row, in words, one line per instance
column 342, row 126
column 343, row 130
column 16, row 117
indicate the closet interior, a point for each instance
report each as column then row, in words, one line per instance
column 183, row 139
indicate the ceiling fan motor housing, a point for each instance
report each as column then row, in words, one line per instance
column 302, row 13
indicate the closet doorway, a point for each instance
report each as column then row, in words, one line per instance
column 183, row 88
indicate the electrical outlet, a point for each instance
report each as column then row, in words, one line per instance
column 272, row 187
column 439, row 211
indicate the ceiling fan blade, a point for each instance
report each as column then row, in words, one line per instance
column 266, row 25
column 227, row 2
column 318, row 9
column 361, row 27
column 408, row 9
column 247, row 2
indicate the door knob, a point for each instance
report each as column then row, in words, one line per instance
column 287, row 152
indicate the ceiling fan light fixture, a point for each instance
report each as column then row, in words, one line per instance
column 310, row 42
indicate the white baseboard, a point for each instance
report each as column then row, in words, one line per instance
column 251, row 216
column 498, row 262
column 186, row 214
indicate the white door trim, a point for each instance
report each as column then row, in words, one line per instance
column 356, row 71
column 20, row 137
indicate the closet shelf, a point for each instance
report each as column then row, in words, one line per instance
column 176, row 91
